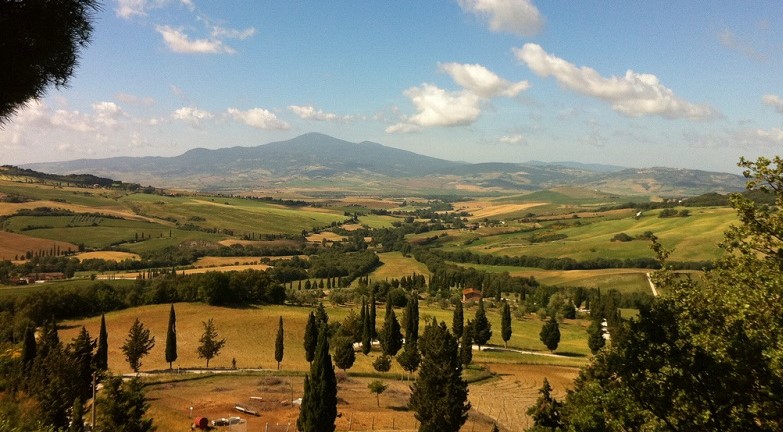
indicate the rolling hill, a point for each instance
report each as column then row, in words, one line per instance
column 315, row 160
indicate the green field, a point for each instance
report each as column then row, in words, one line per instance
column 693, row 238
column 394, row 265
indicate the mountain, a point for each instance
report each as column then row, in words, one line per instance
column 318, row 162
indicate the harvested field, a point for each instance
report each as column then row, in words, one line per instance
column 108, row 256
column 488, row 209
column 260, row 243
column 226, row 268
column 12, row 244
column 325, row 235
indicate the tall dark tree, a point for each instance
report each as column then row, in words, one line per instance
column 123, row 407
column 439, row 396
column 102, row 352
column 546, row 412
column 171, row 338
column 595, row 337
column 209, row 344
column 29, row 348
column 344, row 355
column 81, row 351
column 310, row 338
column 391, row 339
column 54, row 385
column 279, row 344
column 505, row 324
column 482, row 329
column 366, row 332
column 40, row 41
column 77, row 416
column 412, row 318
column 320, row 314
column 550, row 334
column 371, row 311
column 49, row 338
column 458, row 320
column 137, row 344
column 466, row 345
column 319, row 402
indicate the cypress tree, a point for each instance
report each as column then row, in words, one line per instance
column 28, row 348
column 279, row 344
column 371, row 308
column 505, row 324
column 171, row 338
column 319, row 402
column 77, row 414
column 80, row 350
column 482, row 329
column 310, row 338
column 466, row 346
column 102, row 353
column 391, row 340
column 546, row 411
column 595, row 337
column 458, row 320
column 439, row 396
column 412, row 318
column 320, row 314
column 366, row 332
column 409, row 358
column 550, row 334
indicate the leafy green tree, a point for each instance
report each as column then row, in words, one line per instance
column 439, row 396
column 505, row 324
column 209, row 344
column 344, row 355
column 457, row 321
column 320, row 314
column 377, row 388
column 310, row 338
column 122, row 406
column 410, row 358
column 40, row 42
column 391, row 339
column 102, row 352
column 54, row 385
column 137, row 344
column 706, row 355
column 546, row 412
column 382, row 363
column 279, row 344
column 319, row 402
column 171, row 338
column 550, row 334
column 481, row 329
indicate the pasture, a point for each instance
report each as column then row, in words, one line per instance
column 395, row 265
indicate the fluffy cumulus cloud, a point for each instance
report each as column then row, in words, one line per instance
column 774, row 101
column 633, row 94
column 438, row 107
column 133, row 8
column 192, row 115
column 520, row 17
column 177, row 41
column 481, row 81
column 258, row 118
column 309, row 112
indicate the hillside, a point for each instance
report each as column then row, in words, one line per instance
column 319, row 162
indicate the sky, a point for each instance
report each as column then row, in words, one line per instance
column 638, row 84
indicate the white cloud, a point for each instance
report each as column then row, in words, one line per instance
column 632, row 95
column 770, row 135
column 107, row 113
column 520, row 17
column 482, row 81
column 773, row 101
column 258, row 118
column 729, row 40
column 192, row 115
column 309, row 112
column 229, row 33
column 438, row 107
column 134, row 100
column 177, row 41
column 130, row 8
column 512, row 139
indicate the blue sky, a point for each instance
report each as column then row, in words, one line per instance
column 679, row 84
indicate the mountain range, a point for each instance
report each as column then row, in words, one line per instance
column 315, row 161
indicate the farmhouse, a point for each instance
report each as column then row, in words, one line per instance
column 36, row 277
column 470, row 294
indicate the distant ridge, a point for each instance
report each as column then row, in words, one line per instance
column 315, row 160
